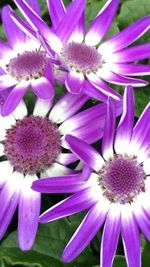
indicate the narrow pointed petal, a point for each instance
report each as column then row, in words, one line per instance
column 42, row 107
column 78, row 33
column 131, row 237
column 6, row 82
column 66, row 158
column 35, row 6
column 85, row 232
column 130, row 69
column 57, row 11
column 142, row 220
column 13, row 33
column 58, row 184
column 109, row 131
column 28, row 213
column 93, row 92
column 114, row 78
column 43, row 88
column 67, row 106
column 101, row 24
column 85, row 152
column 4, row 49
column 57, row 169
column 70, row 20
column 78, row 202
column 14, row 98
column 126, row 36
column 141, row 131
column 125, row 127
column 39, row 25
column 9, row 196
column 138, row 52
column 102, row 86
column 74, row 82
column 110, row 235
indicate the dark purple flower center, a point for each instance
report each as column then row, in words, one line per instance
column 32, row 144
column 122, row 179
column 81, row 57
column 28, row 65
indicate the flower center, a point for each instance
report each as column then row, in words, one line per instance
column 32, row 144
column 28, row 65
column 81, row 57
column 122, row 179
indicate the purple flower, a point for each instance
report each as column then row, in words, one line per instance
column 33, row 146
column 115, row 187
column 23, row 64
column 76, row 52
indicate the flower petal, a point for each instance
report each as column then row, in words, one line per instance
column 6, row 171
column 21, row 111
column 101, row 23
column 6, row 123
column 131, row 237
column 78, row 33
column 78, row 202
column 42, row 106
column 43, row 88
column 28, row 213
column 57, row 11
column 85, row 232
column 109, row 131
column 93, row 92
column 4, row 49
column 110, row 235
column 34, row 5
column 13, row 33
column 67, row 106
column 58, row 184
column 138, row 52
column 14, row 98
column 6, row 82
column 125, row 127
column 74, row 82
column 85, row 152
column 9, row 196
column 66, row 158
column 57, row 169
column 130, row 69
column 70, row 20
column 126, row 36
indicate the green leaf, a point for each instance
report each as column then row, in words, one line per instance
column 119, row 261
column 131, row 11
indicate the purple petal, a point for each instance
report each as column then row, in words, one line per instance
column 6, row 169
column 138, row 52
column 14, row 98
column 101, row 23
column 35, row 6
column 78, row 33
column 4, row 49
column 131, row 237
column 66, row 158
column 127, row 36
column 109, row 131
column 39, row 25
column 70, row 20
column 125, row 127
column 57, row 11
column 85, row 152
column 114, row 78
column 6, row 82
column 78, row 202
column 140, row 136
column 28, row 213
column 8, row 201
column 58, row 184
column 74, row 82
column 130, row 69
column 67, row 106
column 93, row 92
column 142, row 220
column 85, row 232
column 43, row 88
column 110, row 235
column 102, row 86
column 13, row 33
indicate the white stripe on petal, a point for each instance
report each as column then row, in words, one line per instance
column 42, row 107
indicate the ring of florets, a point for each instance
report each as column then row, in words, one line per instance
column 122, row 179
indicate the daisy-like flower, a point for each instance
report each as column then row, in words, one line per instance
column 31, row 146
column 115, row 187
column 82, row 56
column 23, row 64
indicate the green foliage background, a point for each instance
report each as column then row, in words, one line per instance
column 52, row 238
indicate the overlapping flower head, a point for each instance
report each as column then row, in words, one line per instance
column 87, row 64
column 32, row 147
column 114, row 186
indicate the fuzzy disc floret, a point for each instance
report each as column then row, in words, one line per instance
column 32, row 144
